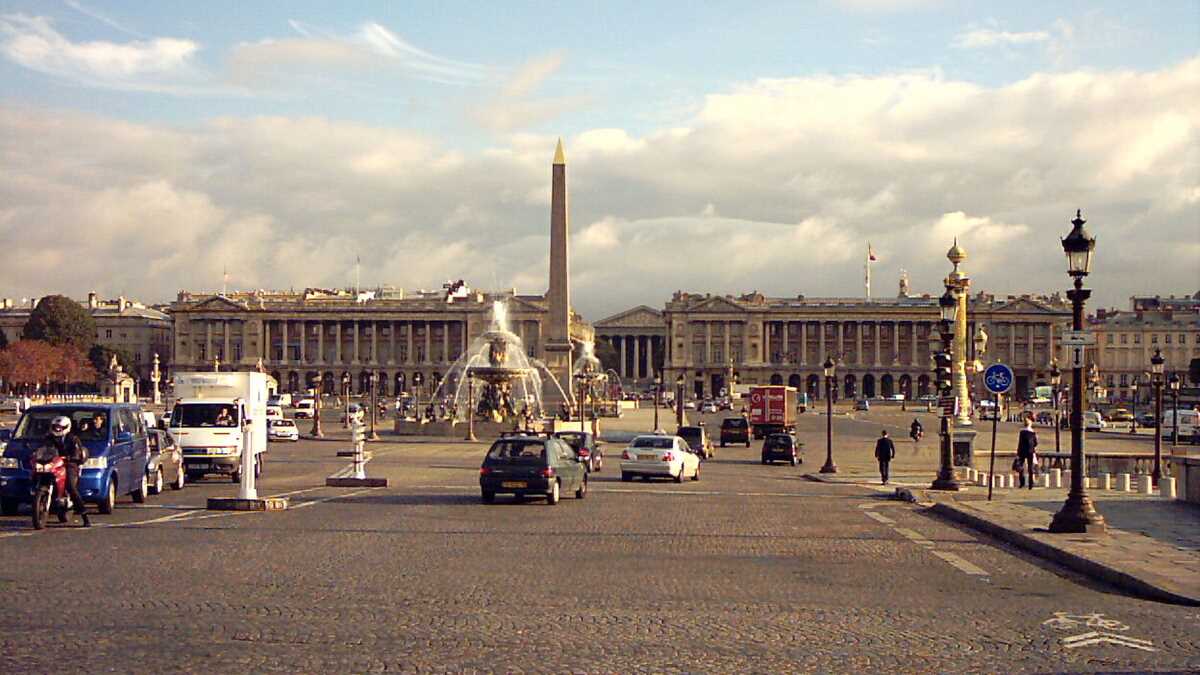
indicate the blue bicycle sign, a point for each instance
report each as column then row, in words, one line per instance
column 998, row 378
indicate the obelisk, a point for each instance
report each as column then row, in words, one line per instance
column 558, row 297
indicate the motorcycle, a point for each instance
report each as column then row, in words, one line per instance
column 916, row 435
column 49, row 487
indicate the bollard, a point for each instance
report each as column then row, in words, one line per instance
column 1056, row 475
column 1045, row 480
column 970, row 474
column 1123, row 482
column 247, row 490
column 1166, row 488
column 997, row 480
column 982, row 479
column 1145, row 485
column 1106, row 481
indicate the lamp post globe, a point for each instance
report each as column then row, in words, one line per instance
column 1078, row 514
column 679, row 400
column 830, row 367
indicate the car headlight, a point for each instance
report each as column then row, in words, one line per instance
column 9, row 463
column 96, row 463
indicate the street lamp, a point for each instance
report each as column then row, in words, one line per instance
column 1173, row 384
column 679, row 400
column 470, row 406
column 657, row 396
column 944, row 377
column 1055, row 380
column 316, row 427
column 1156, row 370
column 374, row 379
column 1078, row 514
column 830, row 373
column 346, row 392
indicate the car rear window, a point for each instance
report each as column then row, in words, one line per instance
column 517, row 451
column 733, row 423
column 690, row 434
column 779, row 441
column 658, row 442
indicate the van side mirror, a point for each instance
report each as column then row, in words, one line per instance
column 124, row 437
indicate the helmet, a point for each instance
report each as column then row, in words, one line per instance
column 60, row 426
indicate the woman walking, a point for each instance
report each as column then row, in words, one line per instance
column 1027, row 450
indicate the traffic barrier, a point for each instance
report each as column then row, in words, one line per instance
column 1166, row 488
column 982, row 479
column 1123, row 482
column 997, row 480
column 970, row 474
column 1145, row 485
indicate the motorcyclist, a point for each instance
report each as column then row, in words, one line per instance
column 916, row 431
column 69, row 447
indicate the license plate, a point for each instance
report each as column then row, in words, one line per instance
column 198, row 466
column 514, row 484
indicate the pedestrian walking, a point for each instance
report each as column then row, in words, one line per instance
column 1027, row 451
column 885, row 451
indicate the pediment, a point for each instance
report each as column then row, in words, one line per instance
column 220, row 303
column 520, row 305
column 1026, row 306
column 718, row 305
column 638, row 317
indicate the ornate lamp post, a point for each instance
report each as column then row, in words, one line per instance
column 657, row 396
column 316, row 427
column 1078, row 514
column 1055, row 380
column 1173, row 384
column 945, row 379
column 1156, row 370
column 155, row 378
column 374, row 377
column 830, row 374
column 346, row 393
column 679, row 400
column 470, row 406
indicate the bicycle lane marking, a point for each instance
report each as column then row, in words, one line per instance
column 953, row 559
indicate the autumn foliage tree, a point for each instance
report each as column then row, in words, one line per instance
column 30, row 364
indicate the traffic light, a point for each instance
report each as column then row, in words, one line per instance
column 942, row 371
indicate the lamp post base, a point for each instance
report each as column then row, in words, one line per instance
column 1078, row 516
column 829, row 467
column 941, row 483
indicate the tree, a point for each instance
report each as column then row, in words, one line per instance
column 73, row 367
column 3, row 340
column 60, row 320
column 100, row 356
column 30, row 363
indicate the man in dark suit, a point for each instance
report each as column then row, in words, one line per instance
column 885, row 450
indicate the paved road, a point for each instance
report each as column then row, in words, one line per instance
column 751, row 569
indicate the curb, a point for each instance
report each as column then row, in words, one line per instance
column 1091, row 568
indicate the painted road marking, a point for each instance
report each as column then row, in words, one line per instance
column 914, row 536
column 1094, row 638
column 880, row 517
column 961, row 564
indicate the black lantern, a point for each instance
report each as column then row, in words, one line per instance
column 1079, row 246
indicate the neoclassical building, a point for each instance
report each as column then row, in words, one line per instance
column 1127, row 339
column 882, row 345
column 298, row 337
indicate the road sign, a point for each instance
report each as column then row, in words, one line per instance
column 949, row 405
column 1078, row 338
column 998, row 378
column 1076, row 357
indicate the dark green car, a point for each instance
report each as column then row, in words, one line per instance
column 531, row 466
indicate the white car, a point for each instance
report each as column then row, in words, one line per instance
column 283, row 430
column 1092, row 421
column 659, row 455
column 708, row 407
column 274, row 413
column 305, row 408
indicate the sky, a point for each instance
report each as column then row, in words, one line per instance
column 719, row 147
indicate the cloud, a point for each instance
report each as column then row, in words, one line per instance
column 154, row 65
column 981, row 38
column 907, row 161
column 513, row 106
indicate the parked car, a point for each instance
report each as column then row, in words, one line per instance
column 1147, row 420
column 527, row 466
column 166, row 462
column 698, row 440
column 1120, row 415
column 283, row 430
column 660, row 456
column 274, row 412
column 1187, row 424
column 689, row 405
column 1092, row 421
column 735, row 430
column 862, row 404
column 781, row 447
column 708, row 407
column 586, row 448
column 118, row 450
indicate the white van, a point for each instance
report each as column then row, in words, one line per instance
column 1092, row 421
column 1188, row 421
column 305, row 408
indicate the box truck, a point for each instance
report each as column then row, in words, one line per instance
column 212, row 413
column 772, row 409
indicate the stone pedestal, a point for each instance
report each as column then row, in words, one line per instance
column 964, row 447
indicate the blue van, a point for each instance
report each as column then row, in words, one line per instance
column 118, row 452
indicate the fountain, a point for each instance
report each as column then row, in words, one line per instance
column 494, row 381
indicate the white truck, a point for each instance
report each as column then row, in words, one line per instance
column 212, row 412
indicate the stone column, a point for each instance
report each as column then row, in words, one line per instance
column 1029, row 347
column 266, row 341
column 913, row 361
column 895, row 343
column 876, row 328
column 804, row 343
column 637, row 370
column 303, row 339
column 428, row 342
column 228, row 356
column 621, row 350
column 707, row 342
column 1049, row 345
column 1012, row 343
column 392, row 347
column 354, row 358
column 446, row 342
column 283, row 335
column 821, row 356
column 768, row 357
column 787, row 345
column 337, row 352
column 374, row 343
column 728, row 327
column 841, row 338
column 408, row 355
column 858, row 353
column 320, row 342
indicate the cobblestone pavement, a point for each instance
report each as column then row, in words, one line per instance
column 751, row 569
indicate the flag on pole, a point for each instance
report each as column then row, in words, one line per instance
column 870, row 252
